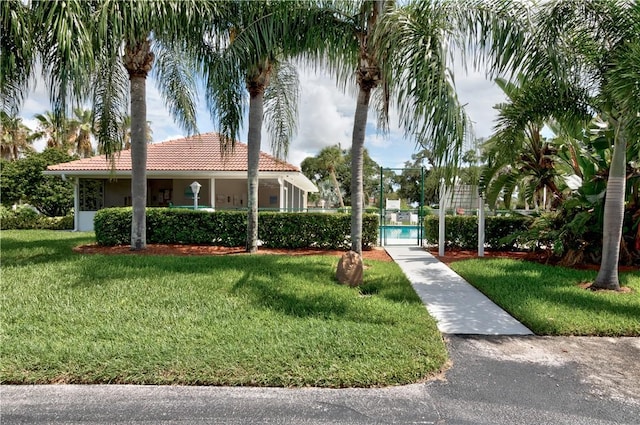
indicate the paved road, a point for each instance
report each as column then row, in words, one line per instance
column 493, row 380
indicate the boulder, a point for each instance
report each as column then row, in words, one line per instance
column 350, row 269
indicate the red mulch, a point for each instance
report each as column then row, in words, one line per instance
column 171, row 249
column 539, row 257
column 376, row 253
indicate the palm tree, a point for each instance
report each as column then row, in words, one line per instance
column 16, row 138
column 250, row 57
column 59, row 131
column 16, row 58
column 105, row 50
column 83, row 124
column 126, row 132
column 330, row 158
column 324, row 166
column 594, row 45
column 517, row 154
column 400, row 58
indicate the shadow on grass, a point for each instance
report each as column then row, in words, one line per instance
column 18, row 252
column 268, row 281
column 556, row 286
column 324, row 303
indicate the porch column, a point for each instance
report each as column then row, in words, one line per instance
column 76, row 204
column 212, row 194
column 282, row 194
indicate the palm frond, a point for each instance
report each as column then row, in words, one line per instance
column 110, row 105
column 281, row 107
column 176, row 82
column 64, row 39
column 17, row 55
column 225, row 94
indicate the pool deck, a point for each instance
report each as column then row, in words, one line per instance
column 458, row 307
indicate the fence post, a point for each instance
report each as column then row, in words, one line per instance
column 480, row 226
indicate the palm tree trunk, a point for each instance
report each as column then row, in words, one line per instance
column 613, row 218
column 256, row 107
column 138, row 60
column 357, row 159
column 138, row 163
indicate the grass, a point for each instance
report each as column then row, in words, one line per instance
column 261, row 320
column 548, row 300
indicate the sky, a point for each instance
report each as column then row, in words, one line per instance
column 325, row 117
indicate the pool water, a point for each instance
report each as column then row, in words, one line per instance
column 399, row 232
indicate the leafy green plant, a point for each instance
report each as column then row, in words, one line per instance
column 462, row 231
column 24, row 217
column 22, row 180
column 228, row 228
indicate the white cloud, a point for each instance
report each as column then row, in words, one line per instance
column 325, row 117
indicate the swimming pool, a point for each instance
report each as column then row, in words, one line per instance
column 399, row 232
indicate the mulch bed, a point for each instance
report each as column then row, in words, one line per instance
column 376, row 253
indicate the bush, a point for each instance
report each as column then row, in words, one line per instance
column 229, row 228
column 462, row 231
column 25, row 217
column 23, row 181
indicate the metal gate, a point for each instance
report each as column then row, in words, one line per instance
column 401, row 226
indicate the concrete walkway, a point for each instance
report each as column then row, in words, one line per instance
column 458, row 307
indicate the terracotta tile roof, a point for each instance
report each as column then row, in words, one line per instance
column 196, row 153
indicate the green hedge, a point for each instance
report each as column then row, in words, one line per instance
column 23, row 217
column 229, row 228
column 462, row 231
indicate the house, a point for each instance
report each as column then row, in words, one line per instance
column 172, row 166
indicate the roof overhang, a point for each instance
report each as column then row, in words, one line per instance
column 294, row 177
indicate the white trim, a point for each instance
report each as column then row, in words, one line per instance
column 212, row 192
column 76, row 204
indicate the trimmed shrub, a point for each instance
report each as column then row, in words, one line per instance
column 24, row 217
column 462, row 231
column 229, row 228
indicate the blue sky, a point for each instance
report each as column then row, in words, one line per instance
column 325, row 117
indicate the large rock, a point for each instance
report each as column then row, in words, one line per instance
column 350, row 269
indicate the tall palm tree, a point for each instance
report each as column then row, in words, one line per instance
column 16, row 139
column 105, row 50
column 594, row 45
column 400, row 57
column 58, row 131
column 250, row 57
column 83, row 124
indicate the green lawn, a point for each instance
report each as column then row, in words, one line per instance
column 548, row 300
column 262, row 320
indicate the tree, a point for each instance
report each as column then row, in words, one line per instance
column 593, row 45
column 323, row 166
column 104, row 50
column 517, row 154
column 83, row 124
column 250, row 55
column 23, row 181
column 400, row 58
column 16, row 138
column 330, row 159
column 58, row 131
column 410, row 180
